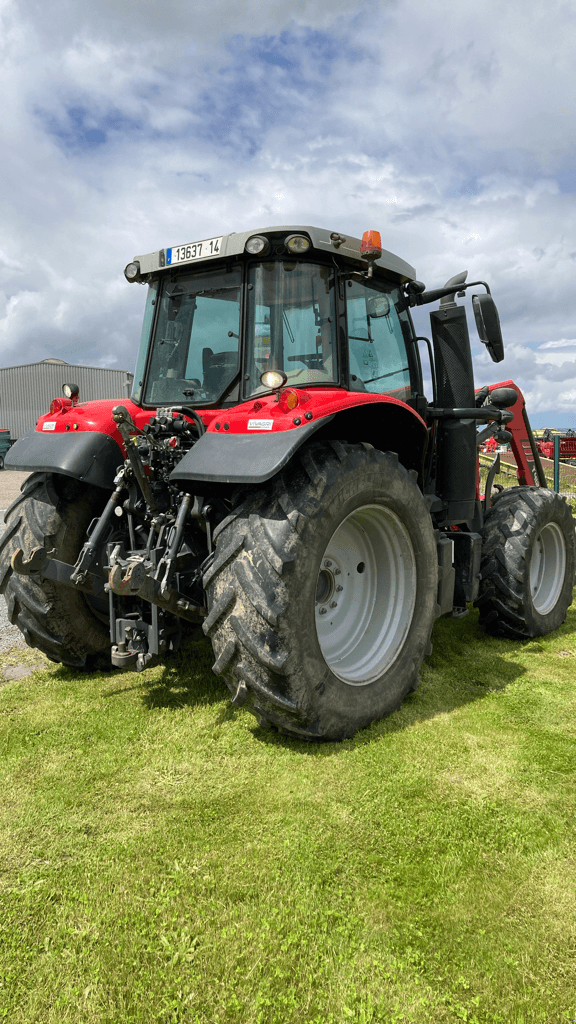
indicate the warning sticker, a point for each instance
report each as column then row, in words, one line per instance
column 50, row 425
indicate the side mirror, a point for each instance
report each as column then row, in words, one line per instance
column 488, row 325
column 378, row 305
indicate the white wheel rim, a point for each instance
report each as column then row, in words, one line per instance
column 365, row 595
column 547, row 568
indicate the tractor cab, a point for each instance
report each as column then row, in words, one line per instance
column 295, row 301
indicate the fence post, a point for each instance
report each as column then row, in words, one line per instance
column 556, row 462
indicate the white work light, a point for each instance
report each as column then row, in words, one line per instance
column 71, row 391
column 297, row 244
column 257, row 245
column 132, row 272
column 273, row 379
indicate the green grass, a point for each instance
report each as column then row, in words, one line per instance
column 163, row 858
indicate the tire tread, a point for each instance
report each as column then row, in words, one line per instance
column 57, row 624
column 504, row 601
column 247, row 593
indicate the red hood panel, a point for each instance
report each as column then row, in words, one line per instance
column 263, row 414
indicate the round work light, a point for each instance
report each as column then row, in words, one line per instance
column 132, row 272
column 71, row 391
column 297, row 244
column 273, row 379
column 257, row 245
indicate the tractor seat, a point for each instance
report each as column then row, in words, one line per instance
column 218, row 369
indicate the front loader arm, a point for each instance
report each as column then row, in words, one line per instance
column 529, row 469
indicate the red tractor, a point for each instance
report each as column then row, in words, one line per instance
column 490, row 446
column 567, row 446
column 280, row 477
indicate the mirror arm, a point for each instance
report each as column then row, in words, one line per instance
column 421, row 298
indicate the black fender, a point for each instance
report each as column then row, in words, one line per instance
column 87, row 455
column 386, row 426
column 241, row 458
column 226, row 458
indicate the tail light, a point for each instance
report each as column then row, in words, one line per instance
column 59, row 405
column 287, row 399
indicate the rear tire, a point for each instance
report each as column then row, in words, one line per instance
column 323, row 592
column 52, row 511
column 528, row 561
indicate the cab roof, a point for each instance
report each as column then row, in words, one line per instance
column 234, row 243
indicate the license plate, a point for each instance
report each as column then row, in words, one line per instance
column 194, row 251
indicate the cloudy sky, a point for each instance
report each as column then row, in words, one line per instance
column 129, row 125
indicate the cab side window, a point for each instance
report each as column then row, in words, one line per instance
column 376, row 342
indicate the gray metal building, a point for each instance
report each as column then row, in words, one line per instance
column 26, row 391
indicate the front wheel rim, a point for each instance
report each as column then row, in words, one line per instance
column 547, row 568
column 365, row 594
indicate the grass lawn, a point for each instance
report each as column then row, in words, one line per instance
column 163, row 858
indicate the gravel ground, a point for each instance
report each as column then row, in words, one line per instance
column 10, row 636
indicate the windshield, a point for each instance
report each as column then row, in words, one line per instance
column 195, row 348
column 291, row 323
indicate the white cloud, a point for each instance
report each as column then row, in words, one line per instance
column 561, row 343
column 135, row 125
column 557, row 359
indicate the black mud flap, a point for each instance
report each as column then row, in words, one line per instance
column 88, row 456
column 242, row 458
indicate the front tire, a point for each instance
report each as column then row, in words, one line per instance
column 528, row 561
column 53, row 512
column 323, row 592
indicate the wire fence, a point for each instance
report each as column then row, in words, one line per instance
column 507, row 475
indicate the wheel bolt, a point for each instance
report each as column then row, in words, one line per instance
column 322, row 611
column 336, row 572
column 333, row 604
column 327, row 563
column 339, row 587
